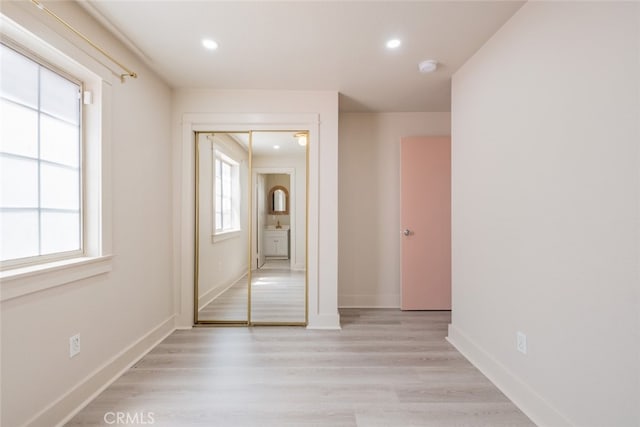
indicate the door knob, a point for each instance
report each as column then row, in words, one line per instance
column 407, row 232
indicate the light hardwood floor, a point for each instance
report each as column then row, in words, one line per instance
column 384, row 368
column 231, row 305
column 277, row 295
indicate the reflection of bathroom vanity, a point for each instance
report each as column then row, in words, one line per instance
column 276, row 243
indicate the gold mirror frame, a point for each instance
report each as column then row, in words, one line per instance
column 272, row 191
column 196, row 320
column 199, row 323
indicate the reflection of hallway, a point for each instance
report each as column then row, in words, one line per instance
column 278, row 295
column 229, row 305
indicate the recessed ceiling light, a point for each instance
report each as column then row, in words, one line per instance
column 276, row 147
column 302, row 138
column 209, row 44
column 428, row 66
column 393, row 44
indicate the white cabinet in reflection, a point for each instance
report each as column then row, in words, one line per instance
column 276, row 243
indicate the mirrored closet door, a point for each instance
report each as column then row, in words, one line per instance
column 222, row 227
column 251, row 228
column 278, row 270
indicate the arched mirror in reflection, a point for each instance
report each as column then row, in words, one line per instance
column 279, row 200
column 222, row 227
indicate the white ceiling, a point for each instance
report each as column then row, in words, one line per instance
column 311, row 45
column 263, row 143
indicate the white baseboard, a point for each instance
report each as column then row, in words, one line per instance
column 216, row 291
column 369, row 301
column 523, row 396
column 369, row 306
column 68, row 405
column 324, row 322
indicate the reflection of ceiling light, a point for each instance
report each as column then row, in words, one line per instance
column 393, row 44
column 428, row 66
column 276, row 147
column 209, row 44
column 302, row 138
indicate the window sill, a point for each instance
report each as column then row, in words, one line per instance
column 27, row 280
column 224, row 235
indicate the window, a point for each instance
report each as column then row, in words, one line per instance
column 40, row 161
column 55, row 162
column 227, row 194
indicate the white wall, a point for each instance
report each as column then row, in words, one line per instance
column 264, row 110
column 545, row 131
column 118, row 314
column 369, row 269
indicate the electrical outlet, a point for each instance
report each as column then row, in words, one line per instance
column 521, row 342
column 74, row 345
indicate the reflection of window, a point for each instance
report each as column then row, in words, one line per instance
column 227, row 194
column 40, row 161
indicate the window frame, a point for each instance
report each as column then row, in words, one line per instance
column 218, row 155
column 65, row 255
column 28, row 32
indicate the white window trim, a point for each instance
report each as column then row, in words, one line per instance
column 97, row 258
column 17, row 263
column 27, row 280
column 220, row 235
column 225, row 235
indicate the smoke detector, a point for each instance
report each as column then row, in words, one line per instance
column 428, row 66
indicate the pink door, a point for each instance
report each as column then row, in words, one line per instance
column 425, row 203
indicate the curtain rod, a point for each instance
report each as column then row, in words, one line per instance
column 128, row 73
